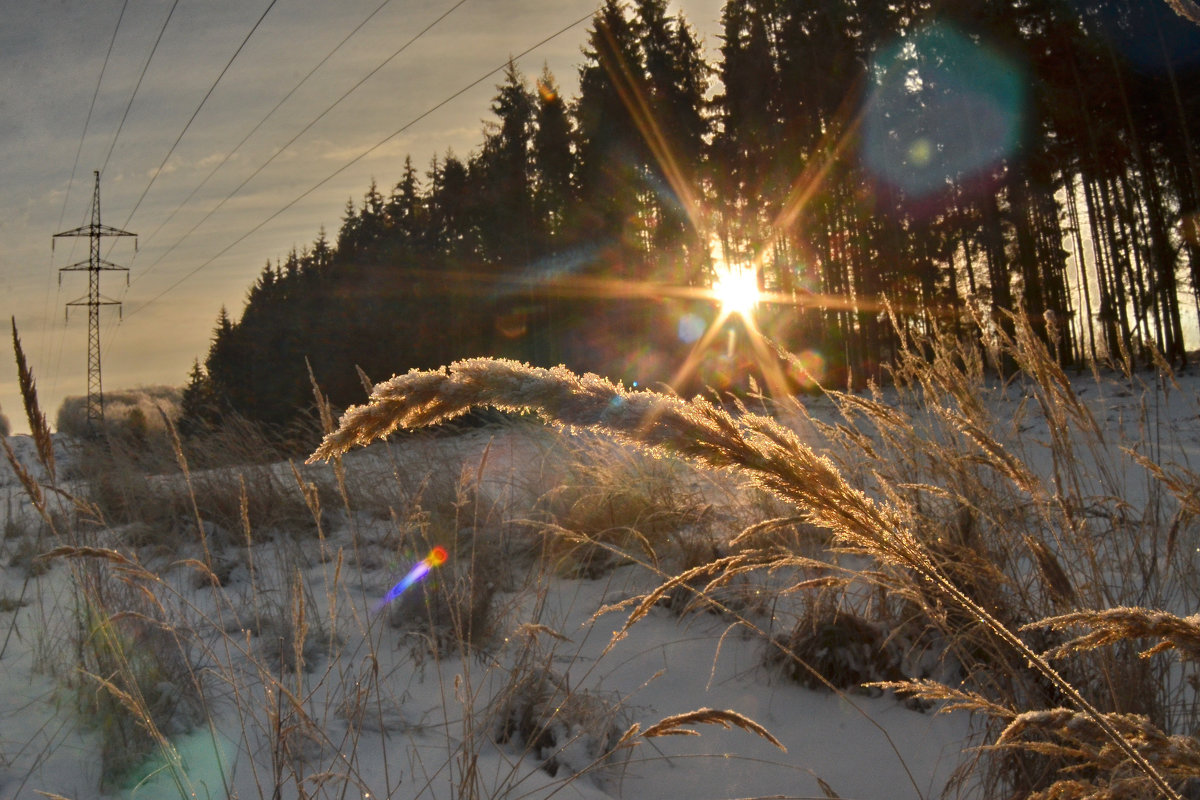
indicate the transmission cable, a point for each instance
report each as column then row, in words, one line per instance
column 261, row 122
column 71, row 182
column 192, row 119
column 302, row 131
column 145, row 67
column 246, row 138
column 363, row 155
column 87, row 121
column 196, row 113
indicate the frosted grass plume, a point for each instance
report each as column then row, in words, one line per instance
column 752, row 445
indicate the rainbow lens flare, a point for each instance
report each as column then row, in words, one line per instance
column 437, row 556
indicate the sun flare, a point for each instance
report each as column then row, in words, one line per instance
column 736, row 289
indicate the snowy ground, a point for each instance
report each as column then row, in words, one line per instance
column 430, row 727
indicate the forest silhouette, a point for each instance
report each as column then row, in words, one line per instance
column 883, row 167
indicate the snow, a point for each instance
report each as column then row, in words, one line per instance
column 377, row 714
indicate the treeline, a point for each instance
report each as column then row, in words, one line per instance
column 939, row 163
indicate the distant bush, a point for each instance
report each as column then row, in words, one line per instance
column 135, row 413
column 5, row 428
column 538, row 714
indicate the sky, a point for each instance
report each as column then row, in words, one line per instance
column 172, row 103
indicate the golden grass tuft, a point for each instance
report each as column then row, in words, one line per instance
column 919, row 519
column 38, row 426
column 971, row 545
column 680, row 725
column 1112, row 625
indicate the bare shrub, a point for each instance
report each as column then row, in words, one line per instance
column 539, row 715
column 26, row 556
column 290, row 638
column 447, row 613
column 838, row 648
column 9, row 604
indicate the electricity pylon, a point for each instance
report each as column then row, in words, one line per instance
column 93, row 300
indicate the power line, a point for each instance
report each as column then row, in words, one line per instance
column 346, row 94
column 363, row 155
column 264, row 119
column 71, row 181
column 261, row 122
column 302, row 131
column 138, row 86
column 104, row 68
column 196, row 113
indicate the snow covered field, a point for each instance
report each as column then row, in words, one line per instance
column 270, row 669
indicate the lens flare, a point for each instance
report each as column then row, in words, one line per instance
column 944, row 108
column 807, row 369
column 437, row 556
column 691, row 328
column 546, row 91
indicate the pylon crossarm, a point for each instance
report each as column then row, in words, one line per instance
column 93, row 230
column 107, row 230
column 83, row 266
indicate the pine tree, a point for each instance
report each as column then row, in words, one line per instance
column 505, row 169
column 404, row 211
column 746, row 143
column 453, row 232
column 553, row 160
column 321, row 255
column 372, row 221
column 675, row 82
column 612, row 152
column 349, row 240
column 199, row 407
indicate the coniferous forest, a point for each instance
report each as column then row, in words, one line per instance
column 883, row 167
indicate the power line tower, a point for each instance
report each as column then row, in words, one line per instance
column 93, row 300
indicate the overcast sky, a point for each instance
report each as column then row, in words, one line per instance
column 52, row 54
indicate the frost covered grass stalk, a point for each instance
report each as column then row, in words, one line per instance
column 934, row 508
column 194, row 632
column 1026, row 566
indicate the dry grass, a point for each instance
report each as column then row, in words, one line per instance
column 612, row 504
column 930, row 547
column 132, row 674
column 969, row 543
column 194, row 595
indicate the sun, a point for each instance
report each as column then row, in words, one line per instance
column 736, row 289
